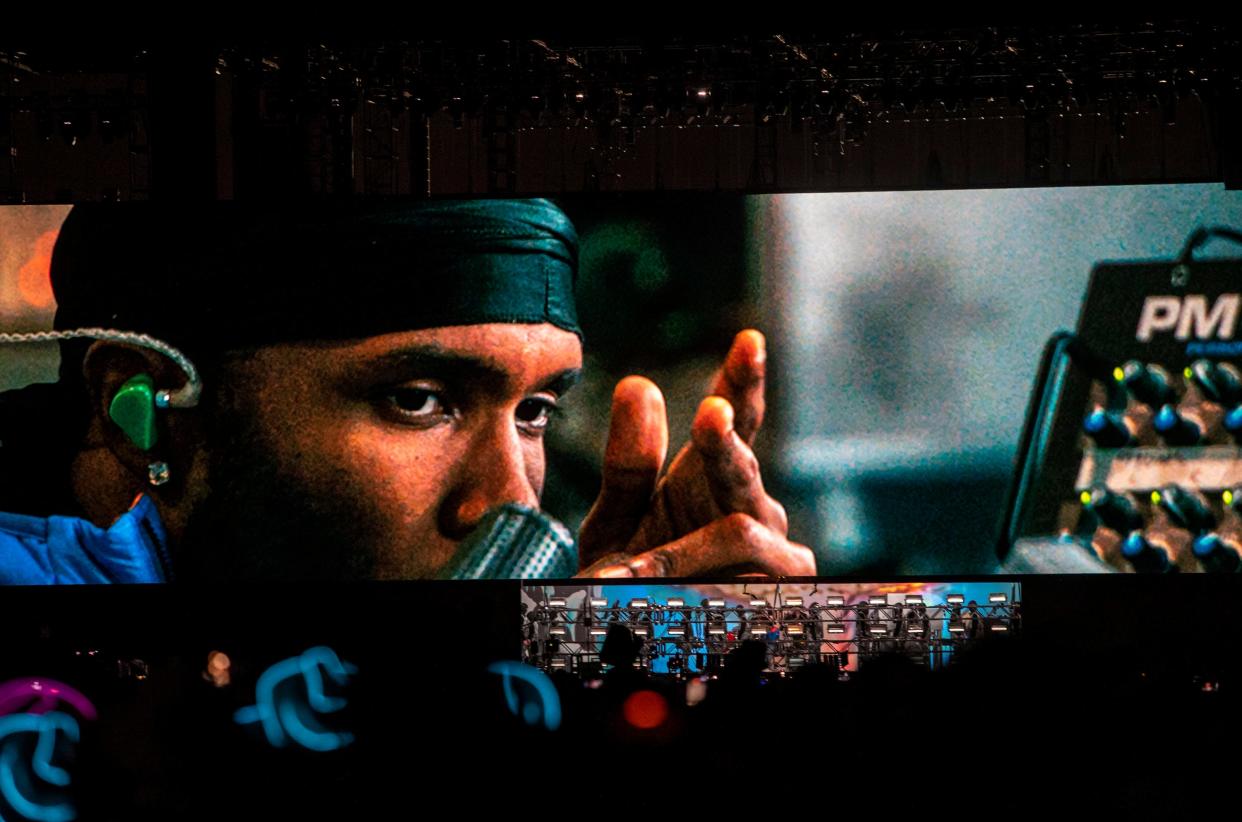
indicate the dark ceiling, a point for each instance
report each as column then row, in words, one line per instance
column 871, row 108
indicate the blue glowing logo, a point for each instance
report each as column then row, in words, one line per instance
column 288, row 713
column 546, row 705
column 17, row 773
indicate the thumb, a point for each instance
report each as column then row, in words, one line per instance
column 637, row 446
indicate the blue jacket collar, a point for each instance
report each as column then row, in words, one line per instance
column 62, row 550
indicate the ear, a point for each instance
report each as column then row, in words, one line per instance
column 121, row 381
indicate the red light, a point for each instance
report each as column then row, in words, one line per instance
column 645, row 710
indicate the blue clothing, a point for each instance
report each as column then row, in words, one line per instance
column 61, row 550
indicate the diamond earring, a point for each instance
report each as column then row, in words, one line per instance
column 157, row 473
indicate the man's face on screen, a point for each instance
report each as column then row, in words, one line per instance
column 374, row 458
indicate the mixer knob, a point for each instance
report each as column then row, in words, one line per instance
column 1144, row 556
column 1215, row 554
column 1108, row 429
column 1148, row 384
column 1186, row 509
column 1232, row 497
column 1176, row 429
column 1219, row 382
column 1233, row 422
column 1115, row 511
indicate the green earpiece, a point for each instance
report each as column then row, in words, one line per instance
column 133, row 410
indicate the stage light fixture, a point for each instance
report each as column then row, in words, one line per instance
column 638, row 603
column 877, row 599
column 795, row 630
column 556, row 602
column 558, row 663
column 835, row 599
column 716, row 630
column 836, row 627
column 758, row 602
column 641, row 632
column 715, row 603
column 997, row 598
column 557, row 630
column 877, row 630
column 914, row 599
column 676, row 602
column 955, row 599
column 794, row 602
column 599, row 602
column 999, row 627
column 599, row 632
column 914, row 629
column 676, row 630
column 956, row 626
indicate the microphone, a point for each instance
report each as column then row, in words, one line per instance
column 515, row 542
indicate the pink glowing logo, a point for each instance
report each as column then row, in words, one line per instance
column 39, row 695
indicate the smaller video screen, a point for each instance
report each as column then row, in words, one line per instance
column 684, row 631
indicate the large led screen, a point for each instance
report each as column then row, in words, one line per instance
column 657, row 385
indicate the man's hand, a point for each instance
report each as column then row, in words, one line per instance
column 710, row 512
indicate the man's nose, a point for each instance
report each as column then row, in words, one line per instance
column 493, row 472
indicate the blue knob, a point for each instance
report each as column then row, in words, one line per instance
column 1215, row 555
column 1176, row 429
column 1135, row 545
column 1233, row 421
column 1206, row 545
column 1145, row 557
column 1107, row 430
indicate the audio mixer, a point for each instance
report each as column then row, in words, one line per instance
column 1131, row 457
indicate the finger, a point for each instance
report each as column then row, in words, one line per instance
column 731, row 468
column 734, row 542
column 741, row 381
column 637, row 446
column 637, row 439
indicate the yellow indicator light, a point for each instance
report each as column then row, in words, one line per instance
column 1085, row 496
column 1155, row 497
column 1189, row 374
column 1118, row 374
column 1227, row 497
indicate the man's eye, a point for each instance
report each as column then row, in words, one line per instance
column 536, row 413
column 417, row 402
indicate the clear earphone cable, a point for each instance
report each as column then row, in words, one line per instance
column 186, row 396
